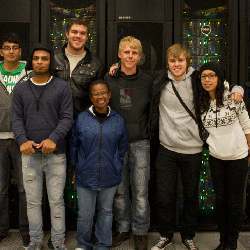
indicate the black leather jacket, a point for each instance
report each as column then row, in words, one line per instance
column 86, row 71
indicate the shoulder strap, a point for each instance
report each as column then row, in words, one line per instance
column 182, row 102
column 202, row 131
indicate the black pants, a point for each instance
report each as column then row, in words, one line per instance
column 168, row 164
column 10, row 157
column 229, row 182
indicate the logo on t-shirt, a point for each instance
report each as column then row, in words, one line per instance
column 126, row 95
column 11, row 78
column 10, row 82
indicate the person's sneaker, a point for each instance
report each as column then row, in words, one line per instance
column 26, row 240
column 162, row 243
column 141, row 242
column 220, row 247
column 118, row 238
column 35, row 246
column 49, row 244
column 189, row 244
column 62, row 247
column 3, row 236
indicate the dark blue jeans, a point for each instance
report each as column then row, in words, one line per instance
column 10, row 157
column 229, row 182
column 98, row 203
column 168, row 164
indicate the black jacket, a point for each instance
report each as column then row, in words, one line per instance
column 131, row 97
column 86, row 71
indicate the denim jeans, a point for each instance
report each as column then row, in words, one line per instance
column 168, row 165
column 229, row 179
column 134, row 212
column 54, row 168
column 10, row 157
column 98, row 203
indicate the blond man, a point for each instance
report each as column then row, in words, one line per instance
column 131, row 95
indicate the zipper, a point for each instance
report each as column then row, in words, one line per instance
column 4, row 88
column 99, row 157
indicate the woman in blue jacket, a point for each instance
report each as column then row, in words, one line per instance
column 99, row 143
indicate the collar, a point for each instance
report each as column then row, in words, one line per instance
column 93, row 113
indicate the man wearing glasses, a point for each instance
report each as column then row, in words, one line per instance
column 11, row 72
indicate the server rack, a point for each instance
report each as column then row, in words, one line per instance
column 22, row 20
column 55, row 15
column 210, row 30
column 152, row 26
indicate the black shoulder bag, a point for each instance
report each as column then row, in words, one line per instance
column 202, row 131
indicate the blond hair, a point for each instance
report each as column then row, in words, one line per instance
column 176, row 50
column 131, row 42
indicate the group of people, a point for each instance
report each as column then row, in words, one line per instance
column 58, row 110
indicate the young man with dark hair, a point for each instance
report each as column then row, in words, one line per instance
column 76, row 64
column 12, row 70
column 42, row 116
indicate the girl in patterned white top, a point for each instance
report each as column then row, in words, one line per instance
column 228, row 125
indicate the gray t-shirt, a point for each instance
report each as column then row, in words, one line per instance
column 74, row 59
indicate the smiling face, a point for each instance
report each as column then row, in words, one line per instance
column 177, row 66
column 130, row 57
column 209, row 81
column 11, row 52
column 77, row 37
column 100, row 96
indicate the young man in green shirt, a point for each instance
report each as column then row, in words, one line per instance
column 12, row 70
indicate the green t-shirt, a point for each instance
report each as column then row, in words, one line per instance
column 10, row 78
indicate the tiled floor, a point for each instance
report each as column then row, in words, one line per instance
column 205, row 241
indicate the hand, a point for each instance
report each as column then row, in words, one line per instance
column 27, row 147
column 47, row 146
column 237, row 97
column 113, row 69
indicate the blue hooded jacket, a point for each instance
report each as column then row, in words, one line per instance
column 98, row 149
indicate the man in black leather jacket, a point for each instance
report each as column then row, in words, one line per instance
column 76, row 64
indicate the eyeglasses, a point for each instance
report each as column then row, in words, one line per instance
column 100, row 94
column 208, row 76
column 8, row 48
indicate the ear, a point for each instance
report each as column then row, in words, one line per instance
column 1, row 52
column 20, row 52
column 109, row 94
column 119, row 55
column 67, row 34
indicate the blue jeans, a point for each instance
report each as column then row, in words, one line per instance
column 134, row 213
column 54, row 168
column 98, row 203
column 10, row 157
